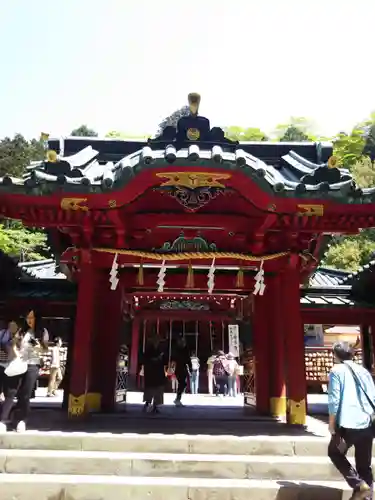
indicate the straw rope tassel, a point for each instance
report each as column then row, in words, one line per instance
column 240, row 278
column 140, row 279
column 190, row 277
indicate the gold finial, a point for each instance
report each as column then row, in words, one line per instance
column 194, row 102
column 51, row 156
column 333, row 162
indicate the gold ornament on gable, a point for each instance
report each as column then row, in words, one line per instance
column 310, row 210
column 193, row 180
column 74, row 204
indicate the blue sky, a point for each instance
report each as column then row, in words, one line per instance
column 126, row 64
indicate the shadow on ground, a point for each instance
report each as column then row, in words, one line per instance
column 303, row 491
column 183, row 422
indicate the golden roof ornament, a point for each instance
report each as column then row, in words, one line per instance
column 51, row 156
column 194, row 100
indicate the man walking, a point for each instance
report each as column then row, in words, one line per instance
column 351, row 403
column 182, row 360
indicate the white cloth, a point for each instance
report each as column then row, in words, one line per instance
column 29, row 352
column 194, row 363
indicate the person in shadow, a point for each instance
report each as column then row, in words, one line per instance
column 182, row 360
column 153, row 367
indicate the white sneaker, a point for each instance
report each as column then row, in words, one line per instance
column 3, row 428
column 21, row 426
column 177, row 402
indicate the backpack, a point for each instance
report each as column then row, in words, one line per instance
column 219, row 368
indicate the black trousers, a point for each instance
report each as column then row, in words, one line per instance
column 11, row 387
column 338, row 447
column 181, row 379
column 25, row 392
column 221, row 384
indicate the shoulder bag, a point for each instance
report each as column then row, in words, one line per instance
column 372, row 405
column 16, row 367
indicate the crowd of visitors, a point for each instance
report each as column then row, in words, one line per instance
column 181, row 368
column 22, row 345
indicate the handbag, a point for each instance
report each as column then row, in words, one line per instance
column 358, row 382
column 16, row 367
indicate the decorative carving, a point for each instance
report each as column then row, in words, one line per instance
column 193, row 180
column 76, row 405
column 333, row 162
column 74, row 204
column 310, row 210
column 182, row 244
column 193, row 134
column 192, row 199
column 186, row 305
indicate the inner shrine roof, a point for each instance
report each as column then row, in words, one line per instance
column 326, row 277
column 94, row 166
column 41, row 269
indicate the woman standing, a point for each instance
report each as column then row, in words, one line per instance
column 9, row 353
column 34, row 341
column 220, row 371
column 232, row 369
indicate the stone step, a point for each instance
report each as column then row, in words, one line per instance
column 60, row 487
column 167, row 465
column 160, row 443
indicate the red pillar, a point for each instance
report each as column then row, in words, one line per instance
column 107, row 346
column 133, row 369
column 80, row 376
column 277, row 349
column 261, row 352
column 294, row 347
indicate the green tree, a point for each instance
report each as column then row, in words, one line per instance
column 245, row 134
column 84, row 131
column 350, row 252
column 14, row 155
column 25, row 244
column 363, row 171
column 297, row 129
column 348, row 148
column 171, row 120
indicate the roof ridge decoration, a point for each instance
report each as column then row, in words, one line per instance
column 304, row 170
column 183, row 244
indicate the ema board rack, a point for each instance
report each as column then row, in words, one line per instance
column 319, row 362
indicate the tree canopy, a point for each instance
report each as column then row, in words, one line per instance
column 83, row 131
column 172, row 119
